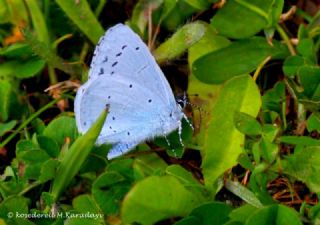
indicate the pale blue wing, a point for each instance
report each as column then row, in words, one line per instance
column 121, row 51
column 125, row 77
column 135, row 112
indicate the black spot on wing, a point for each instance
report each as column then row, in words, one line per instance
column 123, row 47
column 137, row 48
column 117, row 55
column 101, row 71
column 115, row 63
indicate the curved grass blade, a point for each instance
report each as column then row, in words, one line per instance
column 75, row 156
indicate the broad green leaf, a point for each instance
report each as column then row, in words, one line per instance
column 25, row 145
column 109, row 189
column 149, row 164
column 242, row 213
column 29, row 68
column 49, row 145
column 212, row 213
column 85, row 203
column 48, row 170
column 272, row 99
column 275, row 215
column 66, row 127
column 269, row 150
column 306, row 48
column 157, row 198
column 242, row 18
column 185, row 37
column 198, row 4
column 292, row 64
column 33, row 156
column 73, row 159
column 93, row 163
column 7, row 69
column 182, row 174
column 209, row 42
column 38, row 126
column 5, row 127
column 224, row 142
column 208, row 214
column 238, row 58
column 189, row 220
column 22, row 69
column 13, row 204
column 310, row 80
column 202, row 95
column 299, row 140
column 188, row 180
column 247, row 124
column 17, row 50
column 80, row 14
column 304, row 166
column 11, row 207
column 313, row 122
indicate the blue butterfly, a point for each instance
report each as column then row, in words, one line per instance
column 125, row 77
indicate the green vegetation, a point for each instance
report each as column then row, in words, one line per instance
column 250, row 70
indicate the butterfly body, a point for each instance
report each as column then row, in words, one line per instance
column 125, row 78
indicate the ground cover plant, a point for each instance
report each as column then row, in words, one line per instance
column 250, row 71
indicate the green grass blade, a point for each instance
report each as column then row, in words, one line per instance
column 80, row 13
column 75, row 156
column 38, row 21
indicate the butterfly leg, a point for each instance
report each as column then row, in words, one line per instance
column 120, row 149
column 180, row 133
column 186, row 118
column 173, row 150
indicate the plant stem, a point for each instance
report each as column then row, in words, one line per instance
column 286, row 39
column 27, row 121
column 261, row 65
